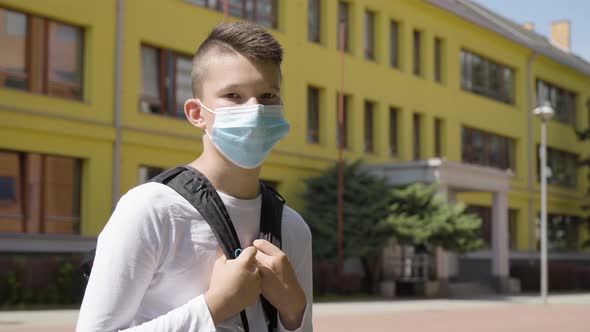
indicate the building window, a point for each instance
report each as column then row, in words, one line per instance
column 313, row 115
column 12, row 219
column 417, row 138
column 263, row 12
column 314, row 21
column 342, row 140
column 369, row 127
column 52, row 193
column 485, row 214
column 13, row 58
column 394, row 44
column 64, row 61
column 563, row 166
column 369, row 42
column 562, row 100
column 41, row 55
column 7, row 189
column 486, row 149
column 393, row 131
column 61, row 201
column 438, row 137
column 486, row 77
column 438, row 58
column 563, row 232
column 343, row 17
column 147, row 173
column 513, row 229
column 165, row 82
column 417, row 38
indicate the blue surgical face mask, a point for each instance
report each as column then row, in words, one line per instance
column 246, row 134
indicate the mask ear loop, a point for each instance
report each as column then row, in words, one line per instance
column 210, row 111
column 205, row 107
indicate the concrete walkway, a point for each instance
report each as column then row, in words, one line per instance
column 363, row 308
column 412, row 315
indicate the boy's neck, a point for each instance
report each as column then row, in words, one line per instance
column 228, row 178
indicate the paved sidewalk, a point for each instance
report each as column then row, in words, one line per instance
column 563, row 313
column 363, row 308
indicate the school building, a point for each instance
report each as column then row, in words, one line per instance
column 91, row 96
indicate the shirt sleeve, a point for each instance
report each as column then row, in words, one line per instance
column 302, row 264
column 127, row 255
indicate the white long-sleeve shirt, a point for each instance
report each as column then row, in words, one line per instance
column 155, row 257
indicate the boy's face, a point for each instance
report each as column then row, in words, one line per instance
column 233, row 80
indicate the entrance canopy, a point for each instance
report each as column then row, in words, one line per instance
column 454, row 177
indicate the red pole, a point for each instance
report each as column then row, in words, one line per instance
column 225, row 10
column 340, row 192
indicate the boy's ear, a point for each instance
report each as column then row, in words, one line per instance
column 192, row 111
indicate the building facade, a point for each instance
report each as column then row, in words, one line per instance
column 91, row 97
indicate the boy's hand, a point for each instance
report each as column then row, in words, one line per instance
column 234, row 285
column 279, row 284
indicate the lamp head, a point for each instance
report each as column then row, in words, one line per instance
column 544, row 112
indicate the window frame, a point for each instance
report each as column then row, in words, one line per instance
column 438, row 59
column 342, row 142
column 567, row 114
column 46, row 57
column 568, row 162
column 472, row 82
column 438, row 137
column 345, row 6
column 167, row 76
column 314, row 35
column 417, row 136
column 394, row 114
column 470, row 152
column 242, row 8
column 394, row 44
column 143, row 168
column 37, row 49
column 313, row 111
column 369, row 126
column 417, row 37
column 27, row 53
column 369, row 49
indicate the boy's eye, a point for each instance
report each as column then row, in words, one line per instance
column 268, row 96
column 232, row 95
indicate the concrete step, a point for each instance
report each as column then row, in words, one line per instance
column 460, row 290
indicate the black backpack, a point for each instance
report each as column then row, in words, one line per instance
column 196, row 188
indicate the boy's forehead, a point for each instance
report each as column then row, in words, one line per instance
column 223, row 70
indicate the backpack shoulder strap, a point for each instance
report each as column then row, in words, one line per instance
column 271, row 215
column 271, row 218
column 197, row 190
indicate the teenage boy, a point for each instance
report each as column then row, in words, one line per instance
column 158, row 266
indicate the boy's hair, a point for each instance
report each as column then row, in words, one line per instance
column 250, row 40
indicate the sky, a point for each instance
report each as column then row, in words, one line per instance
column 543, row 12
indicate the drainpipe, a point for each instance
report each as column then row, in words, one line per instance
column 117, row 102
column 530, row 150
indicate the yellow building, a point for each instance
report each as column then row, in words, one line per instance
column 90, row 94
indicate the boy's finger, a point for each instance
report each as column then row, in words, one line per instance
column 247, row 254
column 220, row 260
column 263, row 258
column 267, row 247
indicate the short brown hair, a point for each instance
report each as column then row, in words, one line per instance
column 250, row 40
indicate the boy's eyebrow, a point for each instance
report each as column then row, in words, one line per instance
column 235, row 86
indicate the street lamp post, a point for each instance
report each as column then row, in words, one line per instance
column 544, row 113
